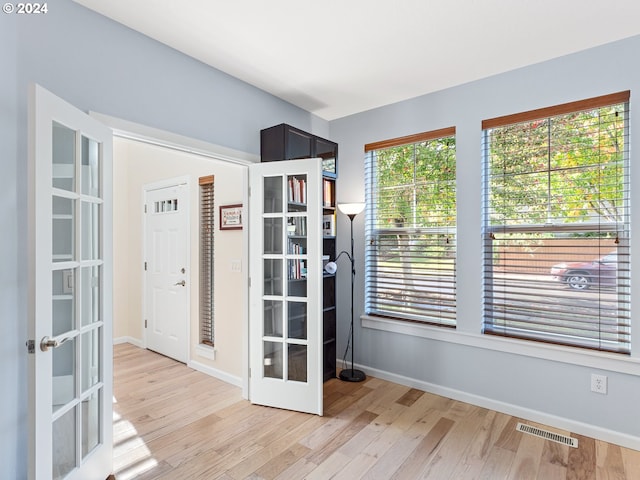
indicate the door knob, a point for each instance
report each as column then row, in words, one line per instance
column 46, row 343
column 182, row 283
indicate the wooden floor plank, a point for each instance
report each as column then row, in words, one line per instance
column 280, row 462
column 553, row 464
column 355, row 446
column 172, row 422
column 497, row 466
column 472, row 460
column 582, row 461
column 424, row 452
column 319, row 455
column 526, row 462
column 609, row 462
column 410, row 397
column 457, row 440
column 399, row 444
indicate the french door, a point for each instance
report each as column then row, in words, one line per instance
column 285, row 294
column 70, row 275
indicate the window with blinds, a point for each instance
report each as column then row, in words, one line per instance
column 207, row 224
column 410, row 256
column 556, row 224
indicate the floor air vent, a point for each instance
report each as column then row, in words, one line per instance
column 554, row 437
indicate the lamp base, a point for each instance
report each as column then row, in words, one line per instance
column 351, row 375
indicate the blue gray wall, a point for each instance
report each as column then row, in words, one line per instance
column 544, row 382
column 13, row 420
column 97, row 64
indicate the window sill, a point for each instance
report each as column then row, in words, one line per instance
column 206, row 351
column 574, row 356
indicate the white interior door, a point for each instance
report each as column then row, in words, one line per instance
column 285, row 310
column 166, row 284
column 70, row 275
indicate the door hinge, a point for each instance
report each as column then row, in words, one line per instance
column 249, row 282
column 31, row 346
column 145, row 208
column 145, row 323
column 145, row 266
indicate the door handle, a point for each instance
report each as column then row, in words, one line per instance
column 46, row 343
column 182, row 283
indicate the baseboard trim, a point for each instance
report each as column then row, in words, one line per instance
column 131, row 340
column 599, row 433
column 214, row 372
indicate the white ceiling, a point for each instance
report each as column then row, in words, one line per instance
column 339, row 57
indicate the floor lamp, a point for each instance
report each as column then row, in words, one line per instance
column 350, row 210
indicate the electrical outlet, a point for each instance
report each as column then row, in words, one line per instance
column 599, row 383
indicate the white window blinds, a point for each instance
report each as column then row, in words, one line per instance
column 410, row 256
column 556, row 224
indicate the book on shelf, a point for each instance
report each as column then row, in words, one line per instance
column 329, row 225
column 297, row 269
column 297, row 226
column 297, row 190
column 327, row 193
column 296, row 249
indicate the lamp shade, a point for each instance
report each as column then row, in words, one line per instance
column 331, row 268
column 351, row 208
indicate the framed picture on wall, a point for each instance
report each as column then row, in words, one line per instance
column 231, row 217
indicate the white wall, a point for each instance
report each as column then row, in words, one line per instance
column 137, row 164
column 541, row 382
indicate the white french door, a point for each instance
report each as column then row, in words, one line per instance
column 285, row 294
column 70, row 275
column 166, row 279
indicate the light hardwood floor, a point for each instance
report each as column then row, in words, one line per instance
column 171, row 422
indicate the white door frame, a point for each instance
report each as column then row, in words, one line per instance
column 167, row 183
column 162, row 138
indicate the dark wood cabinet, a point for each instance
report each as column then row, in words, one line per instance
column 329, row 309
column 284, row 142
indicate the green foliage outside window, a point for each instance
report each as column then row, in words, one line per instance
column 559, row 170
column 416, row 185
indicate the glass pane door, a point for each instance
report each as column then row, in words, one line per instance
column 285, row 257
column 287, row 298
column 70, row 383
column 77, row 323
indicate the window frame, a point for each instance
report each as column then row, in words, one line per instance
column 443, row 314
column 488, row 230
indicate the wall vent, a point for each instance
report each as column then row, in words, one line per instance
column 554, row 437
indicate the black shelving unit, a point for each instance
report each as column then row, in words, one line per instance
column 284, row 142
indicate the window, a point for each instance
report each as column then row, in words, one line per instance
column 410, row 256
column 207, row 223
column 556, row 224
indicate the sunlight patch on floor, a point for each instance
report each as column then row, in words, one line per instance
column 131, row 456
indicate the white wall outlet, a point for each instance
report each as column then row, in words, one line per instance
column 599, row 383
column 236, row 265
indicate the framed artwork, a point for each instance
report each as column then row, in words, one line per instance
column 231, row 217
